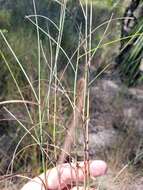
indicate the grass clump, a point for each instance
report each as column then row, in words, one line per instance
column 42, row 96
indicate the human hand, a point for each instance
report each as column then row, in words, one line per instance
column 63, row 176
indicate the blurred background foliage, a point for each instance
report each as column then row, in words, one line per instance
column 22, row 36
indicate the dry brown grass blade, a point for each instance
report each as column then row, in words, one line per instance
column 73, row 122
column 18, row 101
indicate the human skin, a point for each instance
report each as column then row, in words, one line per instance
column 63, row 176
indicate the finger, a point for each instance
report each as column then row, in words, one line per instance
column 98, row 168
column 60, row 176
